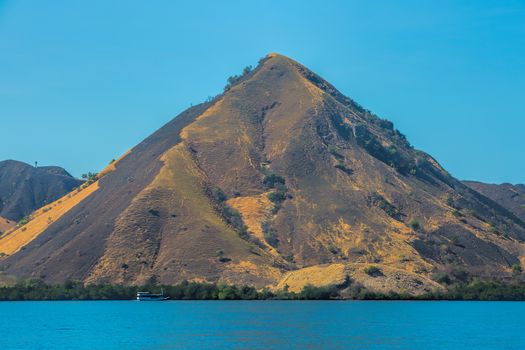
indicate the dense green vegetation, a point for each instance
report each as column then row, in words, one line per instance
column 414, row 224
column 234, row 79
column 481, row 290
column 379, row 201
column 270, row 235
column 279, row 193
column 342, row 166
column 229, row 214
column 373, row 271
column 388, row 155
column 38, row 290
column 90, row 177
column 272, row 180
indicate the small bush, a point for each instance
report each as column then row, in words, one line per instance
column 289, row 258
column 333, row 151
column 333, row 249
column 276, row 208
column 461, row 274
column 234, row 218
column 414, row 224
column 272, row 180
column 379, row 201
column 516, row 269
column 234, row 79
column 341, row 166
column 373, row 271
column 385, row 124
column 442, row 278
column 24, row 221
column 270, row 235
column 276, row 197
column 90, row 177
column 154, row 212
column 218, row 195
column 392, row 151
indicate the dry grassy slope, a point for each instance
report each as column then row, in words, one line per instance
column 18, row 236
column 71, row 246
column 391, row 279
column 353, row 185
column 41, row 219
column 286, row 120
column 166, row 243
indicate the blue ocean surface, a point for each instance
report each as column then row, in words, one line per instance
column 262, row 325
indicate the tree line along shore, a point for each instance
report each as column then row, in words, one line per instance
column 73, row 290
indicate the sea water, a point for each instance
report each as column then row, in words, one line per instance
column 262, row 325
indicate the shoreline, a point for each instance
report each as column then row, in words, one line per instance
column 37, row 290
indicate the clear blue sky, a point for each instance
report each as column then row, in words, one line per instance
column 83, row 81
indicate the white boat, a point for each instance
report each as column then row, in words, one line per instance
column 147, row 296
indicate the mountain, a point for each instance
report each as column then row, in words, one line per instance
column 279, row 181
column 24, row 188
column 507, row 195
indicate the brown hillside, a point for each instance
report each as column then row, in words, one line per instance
column 281, row 179
column 25, row 188
column 512, row 197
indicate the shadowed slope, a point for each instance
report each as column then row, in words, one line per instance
column 71, row 246
column 511, row 197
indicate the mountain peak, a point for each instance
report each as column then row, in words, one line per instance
column 282, row 180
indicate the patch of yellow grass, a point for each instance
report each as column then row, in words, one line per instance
column 250, row 268
column 318, row 276
column 254, row 211
column 41, row 219
column 391, row 278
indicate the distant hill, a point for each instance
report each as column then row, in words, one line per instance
column 507, row 195
column 25, row 188
column 280, row 181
